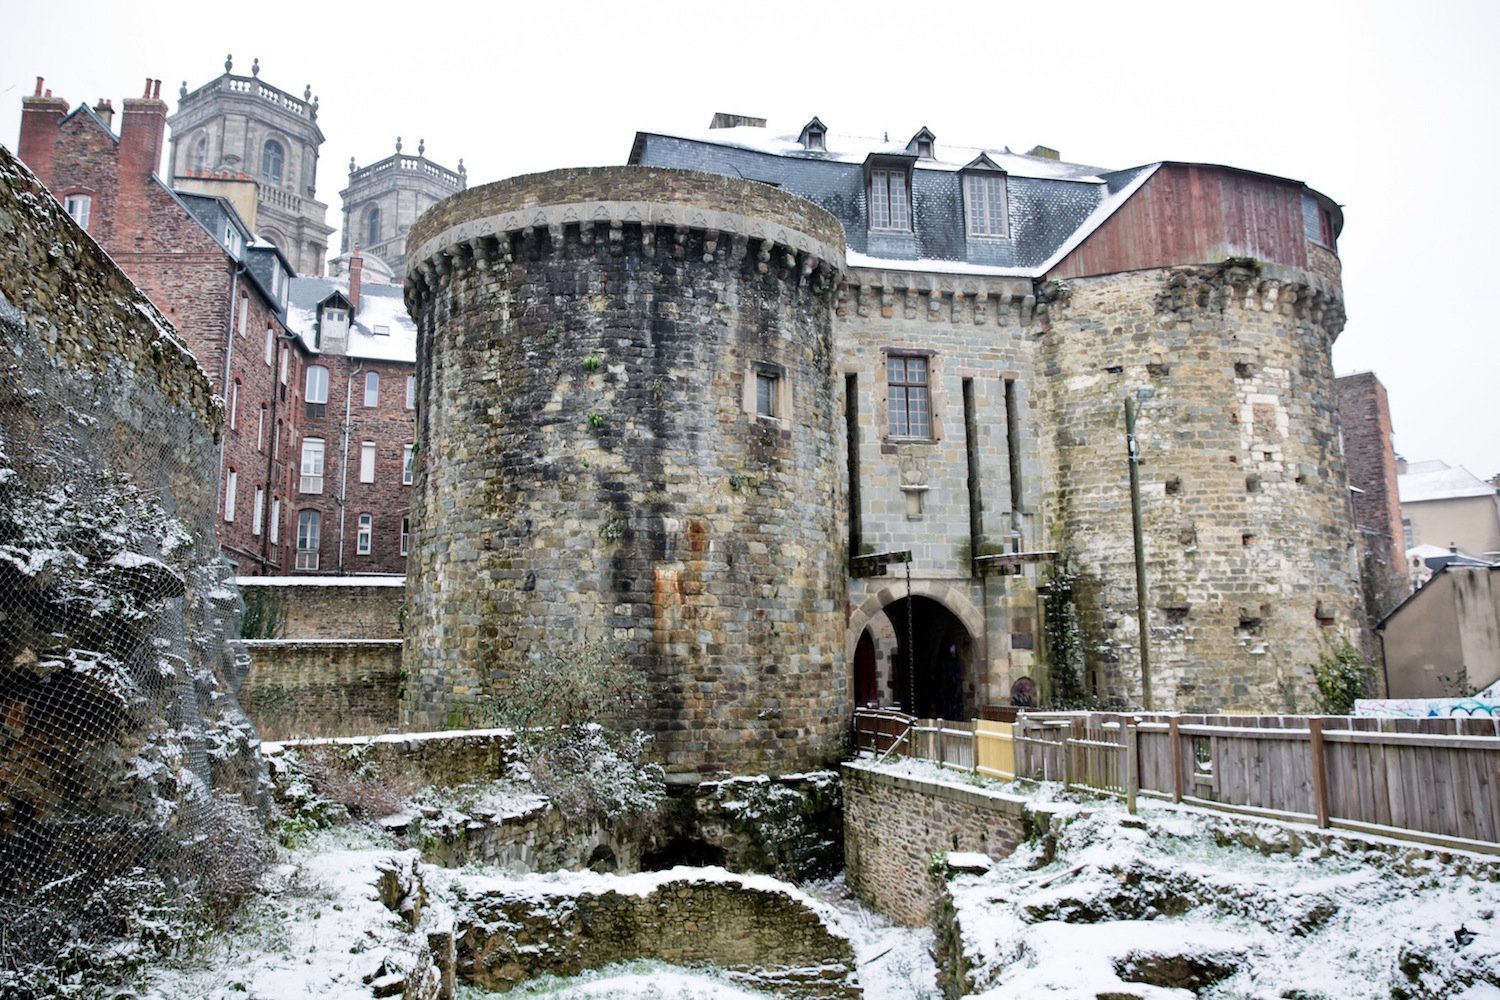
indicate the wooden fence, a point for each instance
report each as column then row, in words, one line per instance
column 1431, row 780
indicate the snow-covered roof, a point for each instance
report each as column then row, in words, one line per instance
column 846, row 148
column 1437, row 480
column 382, row 328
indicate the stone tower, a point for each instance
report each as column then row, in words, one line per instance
column 385, row 198
column 629, row 434
column 240, row 126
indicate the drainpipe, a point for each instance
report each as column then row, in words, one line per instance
column 344, row 458
column 224, row 383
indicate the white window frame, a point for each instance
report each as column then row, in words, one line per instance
column 405, row 534
column 258, row 518
column 367, row 462
column 276, row 520
column 406, row 464
column 286, row 366
column 234, row 405
column 411, row 392
column 313, row 455
column 372, row 388
column 315, row 390
column 260, row 431
column 80, row 207
column 890, row 210
column 231, row 487
column 244, row 314
column 986, row 204
column 270, row 346
column 364, row 535
column 309, row 538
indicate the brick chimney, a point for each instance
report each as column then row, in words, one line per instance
column 40, row 115
column 356, row 269
column 143, row 127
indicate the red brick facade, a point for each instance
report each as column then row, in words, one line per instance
column 1365, row 419
column 237, row 329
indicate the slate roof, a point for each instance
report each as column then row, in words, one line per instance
column 1052, row 205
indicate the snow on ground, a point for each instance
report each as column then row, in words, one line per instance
column 318, row 929
column 1349, row 920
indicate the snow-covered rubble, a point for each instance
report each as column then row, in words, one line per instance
column 1178, row 904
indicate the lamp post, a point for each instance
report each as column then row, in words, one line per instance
column 1133, row 449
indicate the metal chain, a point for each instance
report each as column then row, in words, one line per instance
column 911, row 670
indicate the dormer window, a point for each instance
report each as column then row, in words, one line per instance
column 985, row 208
column 890, row 195
column 922, row 144
column 812, row 136
column 232, row 240
column 381, row 330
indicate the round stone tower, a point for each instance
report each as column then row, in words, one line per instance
column 629, row 441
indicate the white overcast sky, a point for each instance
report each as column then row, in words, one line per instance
column 1389, row 108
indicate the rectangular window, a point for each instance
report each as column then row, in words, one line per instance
column 309, row 528
column 244, row 314
column 231, row 486
column 889, row 207
column 234, row 406
column 367, row 462
column 765, row 394
column 405, row 534
column 79, row 206
column 270, row 346
column 366, row 531
column 372, row 388
column 276, row 521
column 260, row 430
column 258, row 523
column 312, row 465
column 411, row 392
column 316, row 396
column 286, row 367
column 984, row 202
column 907, row 402
column 406, row 460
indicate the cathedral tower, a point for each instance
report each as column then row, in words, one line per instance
column 242, row 127
column 384, row 198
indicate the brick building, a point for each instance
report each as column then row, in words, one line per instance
column 197, row 254
column 1365, row 423
column 355, row 418
column 198, row 260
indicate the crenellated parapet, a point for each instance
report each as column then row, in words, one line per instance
column 977, row 300
column 654, row 211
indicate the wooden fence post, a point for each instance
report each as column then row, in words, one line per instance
column 1319, row 772
column 1176, row 738
column 1132, row 766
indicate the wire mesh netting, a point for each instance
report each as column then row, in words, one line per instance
column 130, row 781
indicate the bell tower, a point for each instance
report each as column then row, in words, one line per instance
column 384, row 198
column 242, row 128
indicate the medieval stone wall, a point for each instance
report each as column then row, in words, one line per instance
column 1248, row 536
column 348, row 687
column 118, row 615
column 592, row 466
column 894, row 826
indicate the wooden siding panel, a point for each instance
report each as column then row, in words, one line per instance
column 1186, row 214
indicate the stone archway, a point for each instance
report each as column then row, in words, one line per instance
column 917, row 652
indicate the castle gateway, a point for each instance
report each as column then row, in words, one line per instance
column 794, row 458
